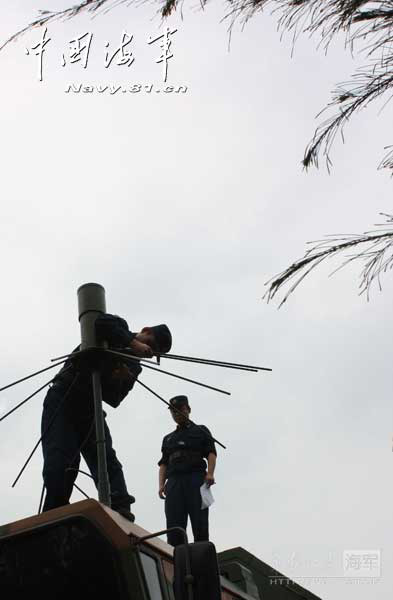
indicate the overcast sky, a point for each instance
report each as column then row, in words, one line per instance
column 183, row 205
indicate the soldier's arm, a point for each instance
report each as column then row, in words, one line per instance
column 161, row 481
column 114, row 330
column 162, row 463
column 210, row 453
column 211, row 465
column 126, row 374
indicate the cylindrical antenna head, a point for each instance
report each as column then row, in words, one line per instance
column 91, row 303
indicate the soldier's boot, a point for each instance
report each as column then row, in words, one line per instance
column 123, row 508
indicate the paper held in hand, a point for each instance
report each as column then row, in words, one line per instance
column 206, row 495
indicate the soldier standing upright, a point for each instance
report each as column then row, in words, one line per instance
column 183, row 470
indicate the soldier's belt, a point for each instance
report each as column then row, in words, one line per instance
column 186, row 455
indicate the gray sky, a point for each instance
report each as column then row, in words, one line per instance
column 182, row 206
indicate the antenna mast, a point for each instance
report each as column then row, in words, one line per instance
column 91, row 303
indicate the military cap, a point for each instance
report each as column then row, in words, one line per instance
column 178, row 401
column 163, row 337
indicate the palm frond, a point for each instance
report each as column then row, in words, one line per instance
column 47, row 16
column 376, row 254
column 362, row 22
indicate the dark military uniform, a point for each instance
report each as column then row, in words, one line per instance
column 183, row 453
column 68, row 427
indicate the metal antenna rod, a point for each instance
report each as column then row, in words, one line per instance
column 174, row 408
column 32, row 375
column 81, row 491
column 188, row 359
column 210, row 387
column 104, row 492
column 23, row 401
column 67, row 355
column 46, row 430
column 213, row 362
column 31, row 396
column 203, row 361
column 102, row 349
column 208, row 363
column 79, row 471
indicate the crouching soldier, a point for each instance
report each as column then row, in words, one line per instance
column 183, row 470
column 68, row 423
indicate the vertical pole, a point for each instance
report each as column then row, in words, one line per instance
column 104, row 492
column 91, row 303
